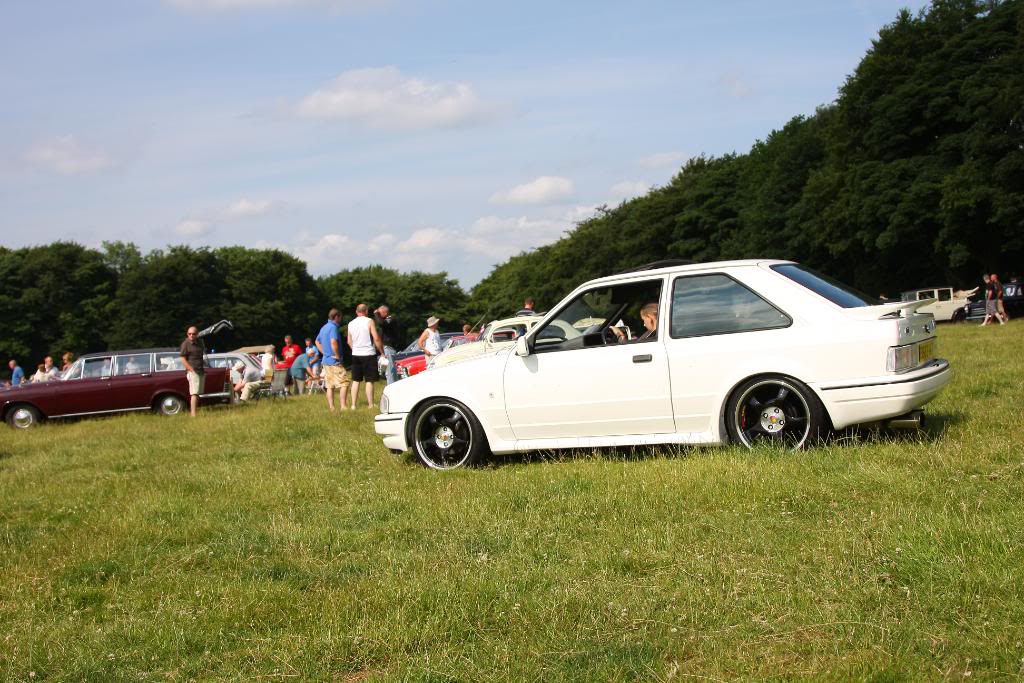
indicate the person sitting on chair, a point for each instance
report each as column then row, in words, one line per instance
column 247, row 380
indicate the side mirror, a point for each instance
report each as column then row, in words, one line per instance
column 522, row 348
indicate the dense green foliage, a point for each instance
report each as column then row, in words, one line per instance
column 278, row 542
column 65, row 297
column 913, row 177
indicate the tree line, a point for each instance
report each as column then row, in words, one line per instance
column 913, row 177
column 67, row 297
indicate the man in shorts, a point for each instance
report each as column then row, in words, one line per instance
column 366, row 343
column 192, row 352
column 332, row 350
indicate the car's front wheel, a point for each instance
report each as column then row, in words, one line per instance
column 777, row 411
column 446, row 435
column 169, row 404
column 23, row 416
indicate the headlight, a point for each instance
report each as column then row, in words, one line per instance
column 901, row 358
column 383, row 403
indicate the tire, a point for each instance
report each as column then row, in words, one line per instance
column 777, row 411
column 445, row 435
column 958, row 317
column 169, row 404
column 23, row 416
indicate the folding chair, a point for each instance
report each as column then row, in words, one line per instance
column 278, row 386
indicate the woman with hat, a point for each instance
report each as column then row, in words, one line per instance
column 430, row 340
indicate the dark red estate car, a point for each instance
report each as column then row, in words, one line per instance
column 111, row 382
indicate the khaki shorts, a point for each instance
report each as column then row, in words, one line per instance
column 196, row 383
column 336, row 377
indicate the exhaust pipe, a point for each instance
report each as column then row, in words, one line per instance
column 912, row 420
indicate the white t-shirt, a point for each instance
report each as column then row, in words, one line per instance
column 362, row 340
column 433, row 342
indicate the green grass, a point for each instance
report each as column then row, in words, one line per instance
column 276, row 541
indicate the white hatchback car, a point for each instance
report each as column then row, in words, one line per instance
column 743, row 351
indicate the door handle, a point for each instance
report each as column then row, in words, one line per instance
column 644, row 358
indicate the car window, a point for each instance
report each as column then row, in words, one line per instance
column 95, row 367
column 507, row 332
column 602, row 316
column 823, row 285
column 907, row 296
column 220, row 362
column 945, row 294
column 925, row 294
column 167, row 361
column 134, row 364
column 717, row 304
column 412, row 348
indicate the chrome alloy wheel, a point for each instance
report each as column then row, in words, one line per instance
column 23, row 417
column 443, row 436
column 772, row 412
column 170, row 405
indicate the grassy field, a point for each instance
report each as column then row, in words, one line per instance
column 276, row 541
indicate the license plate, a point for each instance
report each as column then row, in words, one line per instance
column 925, row 351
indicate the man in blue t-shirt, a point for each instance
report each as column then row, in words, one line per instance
column 314, row 356
column 17, row 374
column 336, row 360
column 301, row 371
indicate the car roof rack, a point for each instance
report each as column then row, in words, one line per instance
column 664, row 263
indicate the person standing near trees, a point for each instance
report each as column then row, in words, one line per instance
column 331, row 347
column 365, row 343
column 991, row 310
column 430, row 339
column 192, row 352
column 387, row 326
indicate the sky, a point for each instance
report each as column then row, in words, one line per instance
column 421, row 135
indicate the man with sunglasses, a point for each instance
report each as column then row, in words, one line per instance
column 192, row 352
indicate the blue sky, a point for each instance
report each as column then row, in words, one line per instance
column 421, row 135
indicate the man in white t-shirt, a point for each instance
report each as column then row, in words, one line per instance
column 365, row 342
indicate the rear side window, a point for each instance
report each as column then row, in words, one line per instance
column 135, row 364
column 169, row 361
column 823, row 285
column 717, row 304
column 945, row 294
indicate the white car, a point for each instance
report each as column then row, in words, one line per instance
column 946, row 304
column 744, row 351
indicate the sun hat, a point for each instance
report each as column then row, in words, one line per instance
column 432, row 320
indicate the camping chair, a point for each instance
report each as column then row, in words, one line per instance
column 278, row 386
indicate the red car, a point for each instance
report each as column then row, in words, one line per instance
column 414, row 365
column 111, row 382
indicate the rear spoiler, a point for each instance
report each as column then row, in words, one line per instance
column 887, row 310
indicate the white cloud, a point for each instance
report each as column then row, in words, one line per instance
column 231, row 5
column 662, row 160
column 628, row 189
column 384, row 98
column 67, row 156
column 192, row 228
column 381, row 243
column 327, row 253
column 543, row 190
column 249, row 208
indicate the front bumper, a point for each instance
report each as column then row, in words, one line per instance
column 880, row 398
column 391, row 426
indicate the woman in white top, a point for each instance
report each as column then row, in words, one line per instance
column 268, row 360
column 430, row 340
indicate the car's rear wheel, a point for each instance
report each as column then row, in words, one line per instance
column 446, row 435
column 23, row 416
column 958, row 316
column 776, row 411
column 169, row 404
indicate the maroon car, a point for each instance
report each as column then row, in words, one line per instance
column 111, row 382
